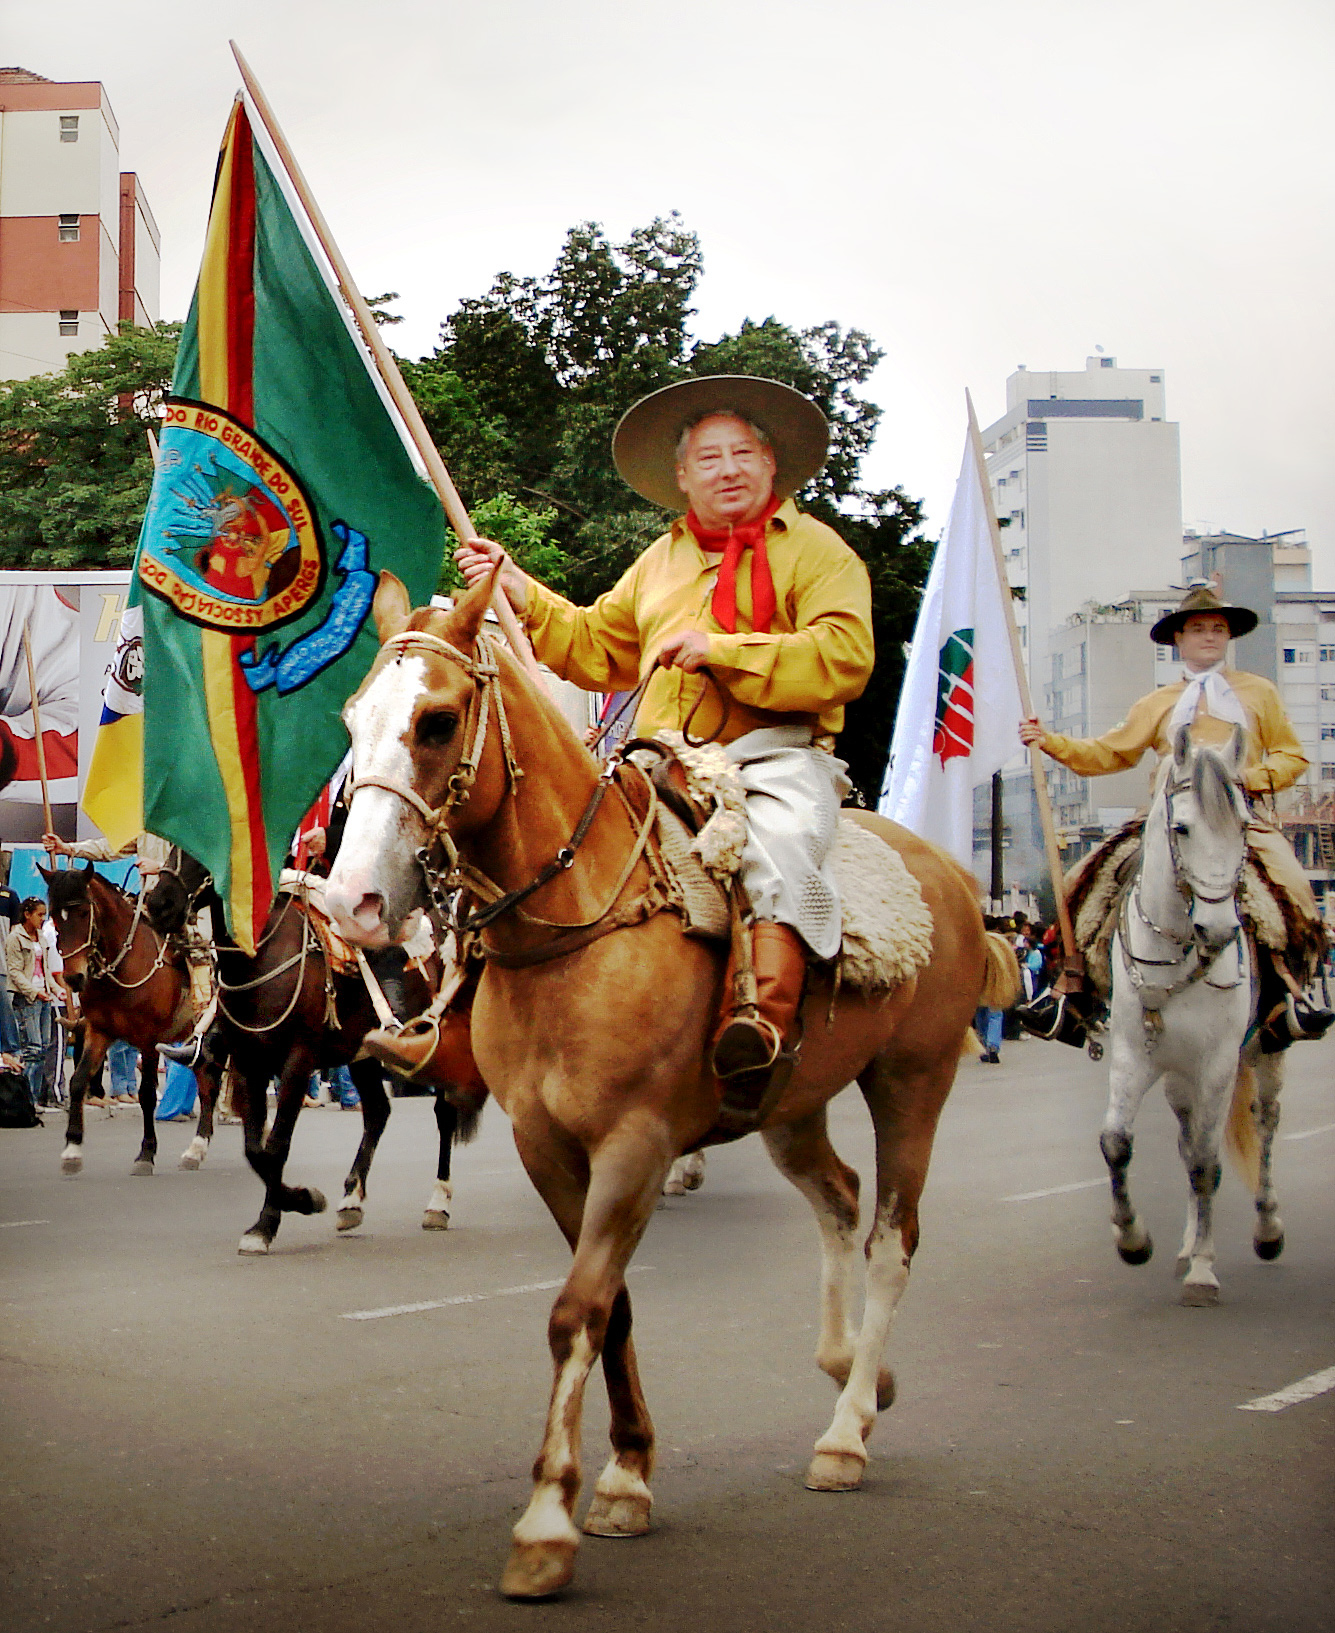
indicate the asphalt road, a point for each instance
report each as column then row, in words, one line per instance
column 202, row 1441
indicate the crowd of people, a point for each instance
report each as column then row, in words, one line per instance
column 1038, row 952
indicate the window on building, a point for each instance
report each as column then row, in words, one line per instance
column 69, row 127
column 1328, row 654
column 69, row 321
column 1328, row 773
column 1298, row 654
column 1328, row 694
column 1156, row 379
column 1328, row 734
column 68, row 228
column 1018, row 516
column 1107, row 362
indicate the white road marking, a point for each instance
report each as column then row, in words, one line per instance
column 1317, row 1384
column 1056, row 1190
column 1307, row 1133
column 466, row 1298
column 13, row 1224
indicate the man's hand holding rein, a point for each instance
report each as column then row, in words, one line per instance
column 475, row 559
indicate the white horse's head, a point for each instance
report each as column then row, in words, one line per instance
column 1204, row 812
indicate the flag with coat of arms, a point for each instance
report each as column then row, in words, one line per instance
column 960, row 706
column 285, row 482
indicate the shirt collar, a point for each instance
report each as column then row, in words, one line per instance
column 783, row 518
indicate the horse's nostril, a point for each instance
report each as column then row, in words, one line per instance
column 369, row 910
column 74, row 982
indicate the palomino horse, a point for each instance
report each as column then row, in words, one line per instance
column 284, row 1012
column 1183, row 997
column 132, row 983
column 599, row 1056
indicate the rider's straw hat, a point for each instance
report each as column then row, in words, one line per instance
column 644, row 444
column 1202, row 597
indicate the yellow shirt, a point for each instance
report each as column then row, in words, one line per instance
column 1273, row 757
column 818, row 657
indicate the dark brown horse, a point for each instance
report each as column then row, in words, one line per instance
column 285, row 1012
column 133, row 983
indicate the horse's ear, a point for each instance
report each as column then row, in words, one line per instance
column 1181, row 744
column 47, row 876
column 391, row 606
column 471, row 608
column 88, row 870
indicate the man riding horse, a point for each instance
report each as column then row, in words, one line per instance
column 778, row 609
column 1210, row 700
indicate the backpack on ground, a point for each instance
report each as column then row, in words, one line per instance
column 16, row 1107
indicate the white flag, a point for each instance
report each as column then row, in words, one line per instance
column 959, row 712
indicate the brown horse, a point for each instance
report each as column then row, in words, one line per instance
column 132, row 983
column 599, row 1056
column 284, row 1012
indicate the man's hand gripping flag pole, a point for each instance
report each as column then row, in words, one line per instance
column 387, row 368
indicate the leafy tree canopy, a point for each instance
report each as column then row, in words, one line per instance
column 529, row 380
column 75, row 464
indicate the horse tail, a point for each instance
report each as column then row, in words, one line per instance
column 1241, row 1140
column 1001, row 973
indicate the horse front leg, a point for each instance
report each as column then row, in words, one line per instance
column 370, row 1084
column 605, row 1224
column 1268, row 1239
column 142, row 1166
column 95, row 1047
column 208, row 1081
column 268, row 1154
column 436, row 1215
column 1130, row 1076
column 1199, row 1107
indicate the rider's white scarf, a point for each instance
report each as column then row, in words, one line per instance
column 1220, row 699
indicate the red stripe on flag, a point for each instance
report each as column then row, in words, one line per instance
column 241, row 277
column 247, row 716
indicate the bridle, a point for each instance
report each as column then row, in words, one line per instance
column 102, row 968
column 446, row 885
column 1153, row 995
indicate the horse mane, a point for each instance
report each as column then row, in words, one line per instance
column 1214, row 783
column 68, row 887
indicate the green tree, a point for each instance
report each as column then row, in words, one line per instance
column 75, row 463
column 527, row 384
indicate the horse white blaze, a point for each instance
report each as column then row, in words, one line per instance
column 366, row 891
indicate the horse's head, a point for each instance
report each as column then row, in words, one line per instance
column 1205, row 814
column 424, row 763
column 71, row 906
column 175, row 890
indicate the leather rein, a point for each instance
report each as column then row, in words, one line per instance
column 446, row 886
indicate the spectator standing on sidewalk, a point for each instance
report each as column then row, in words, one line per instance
column 28, row 983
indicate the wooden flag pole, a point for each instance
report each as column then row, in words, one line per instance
column 1035, row 753
column 387, row 368
column 37, row 731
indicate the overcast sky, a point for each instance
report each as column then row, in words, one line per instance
column 976, row 185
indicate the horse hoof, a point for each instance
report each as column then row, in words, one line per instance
column 617, row 1516
column 141, row 1169
column 71, row 1163
column 694, row 1178
column 1269, row 1250
column 349, row 1218
column 537, row 1570
column 190, row 1160
column 1181, row 1265
column 885, row 1390
column 675, row 1187
column 1136, row 1255
column 434, row 1219
column 1200, row 1295
column 253, row 1245
column 835, row 1471
column 318, row 1200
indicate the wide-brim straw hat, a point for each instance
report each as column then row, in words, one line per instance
column 1203, row 598
column 644, row 444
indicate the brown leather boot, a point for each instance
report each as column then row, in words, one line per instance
column 438, row 1054
column 754, row 1055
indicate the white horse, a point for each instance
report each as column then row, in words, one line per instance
column 1184, row 996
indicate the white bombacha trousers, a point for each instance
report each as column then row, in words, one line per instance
column 793, row 795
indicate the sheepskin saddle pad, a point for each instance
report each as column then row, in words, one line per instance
column 1097, row 883
column 308, row 888
column 887, row 926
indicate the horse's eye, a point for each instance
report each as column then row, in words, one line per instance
column 435, row 730
column 1181, row 828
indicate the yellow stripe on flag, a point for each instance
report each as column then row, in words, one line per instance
column 114, row 794
column 212, row 289
column 220, row 701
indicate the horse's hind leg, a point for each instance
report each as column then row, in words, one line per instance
column 94, row 1052
column 622, row 1501
column 803, row 1154
column 436, row 1215
column 1128, row 1082
column 269, row 1157
column 905, row 1099
column 148, row 1105
column 1269, row 1237
column 370, row 1084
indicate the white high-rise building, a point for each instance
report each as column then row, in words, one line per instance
column 1086, row 476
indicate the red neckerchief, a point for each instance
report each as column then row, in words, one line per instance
column 732, row 541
